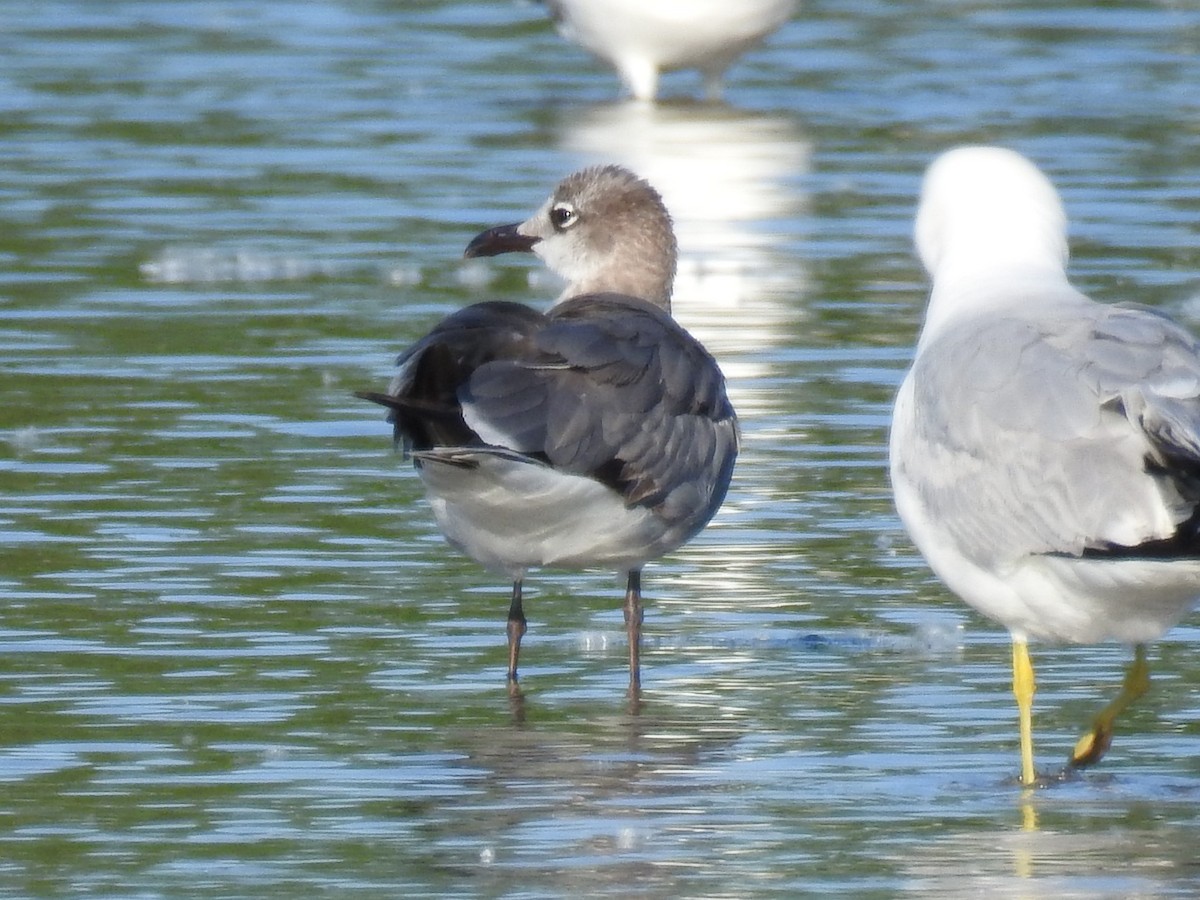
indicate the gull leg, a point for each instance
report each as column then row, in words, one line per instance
column 633, row 625
column 1023, row 688
column 714, row 84
column 516, row 630
column 1093, row 745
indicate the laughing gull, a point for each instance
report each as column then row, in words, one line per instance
column 643, row 38
column 1045, row 448
column 598, row 434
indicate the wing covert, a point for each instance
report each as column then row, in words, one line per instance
column 1080, row 428
column 625, row 396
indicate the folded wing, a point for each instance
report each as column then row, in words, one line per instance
column 1082, row 431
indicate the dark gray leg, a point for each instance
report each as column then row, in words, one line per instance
column 516, row 630
column 633, row 625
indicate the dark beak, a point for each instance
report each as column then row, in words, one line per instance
column 501, row 239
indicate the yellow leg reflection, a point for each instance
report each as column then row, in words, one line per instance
column 1023, row 856
column 1029, row 817
column 1023, row 689
column 1093, row 745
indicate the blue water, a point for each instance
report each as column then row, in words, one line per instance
column 236, row 659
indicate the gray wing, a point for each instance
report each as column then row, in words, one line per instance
column 1074, row 432
column 424, row 394
column 618, row 391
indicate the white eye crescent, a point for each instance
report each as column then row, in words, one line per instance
column 563, row 215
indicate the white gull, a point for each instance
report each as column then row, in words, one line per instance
column 643, row 38
column 1045, row 448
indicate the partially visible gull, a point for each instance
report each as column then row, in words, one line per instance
column 1045, row 449
column 598, row 434
column 643, row 38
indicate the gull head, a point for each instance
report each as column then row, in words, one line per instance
column 989, row 209
column 603, row 229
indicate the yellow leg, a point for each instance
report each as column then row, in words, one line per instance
column 1093, row 745
column 1023, row 689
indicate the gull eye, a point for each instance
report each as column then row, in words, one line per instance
column 563, row 216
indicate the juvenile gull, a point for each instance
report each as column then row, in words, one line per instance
column 598, row 434
column 1045, row 449
column 643, row 38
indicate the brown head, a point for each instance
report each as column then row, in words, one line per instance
column 603, row 230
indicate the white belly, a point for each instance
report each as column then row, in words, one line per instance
column 511, row 515
column 672, row 33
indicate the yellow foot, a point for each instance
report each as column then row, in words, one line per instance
column 1091, row 748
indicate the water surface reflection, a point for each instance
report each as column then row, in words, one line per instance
column 236, row 658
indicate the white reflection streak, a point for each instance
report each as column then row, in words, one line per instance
column 731, row 182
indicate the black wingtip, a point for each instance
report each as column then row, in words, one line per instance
column 382, row 399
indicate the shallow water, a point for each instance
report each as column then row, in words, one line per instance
column 236, row 659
